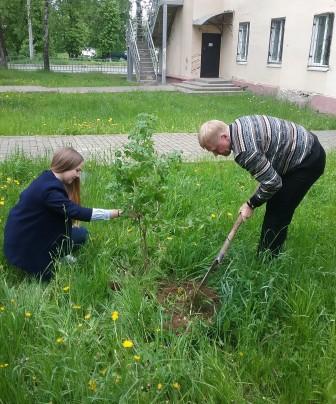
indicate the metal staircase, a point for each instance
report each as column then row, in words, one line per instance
column 143, row 34
column 142, row 51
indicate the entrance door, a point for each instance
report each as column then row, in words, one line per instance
column 210, row 55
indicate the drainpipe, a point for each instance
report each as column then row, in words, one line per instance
column 164, row 42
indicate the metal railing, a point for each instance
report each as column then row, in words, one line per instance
column 133, row 47
column 151, row 47
column 72, row 65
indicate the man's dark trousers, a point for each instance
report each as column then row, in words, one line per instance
column 280, row 208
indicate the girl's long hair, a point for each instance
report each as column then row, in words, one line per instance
column 66, row 159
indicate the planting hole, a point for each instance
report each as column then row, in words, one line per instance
column 182, row 305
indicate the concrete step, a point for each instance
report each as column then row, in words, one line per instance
column 193, row 87
column 217, row 92
column 147, row 79
column 146, row 63
column 211, row 80
column 210, row 85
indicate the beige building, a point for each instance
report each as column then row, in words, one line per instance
column 286, row 48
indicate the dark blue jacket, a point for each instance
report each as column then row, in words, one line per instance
column 40, row 224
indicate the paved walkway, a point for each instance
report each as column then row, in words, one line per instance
column 102, row 146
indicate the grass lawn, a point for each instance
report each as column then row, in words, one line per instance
column 51, row 79
column 57, row 114
column 273, row 339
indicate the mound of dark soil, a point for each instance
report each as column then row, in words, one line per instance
column 182, row 303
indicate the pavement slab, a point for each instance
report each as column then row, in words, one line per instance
column 103, row 146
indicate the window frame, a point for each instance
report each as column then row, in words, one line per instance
column 326, row 45
column 279, row 50
column 242, row 57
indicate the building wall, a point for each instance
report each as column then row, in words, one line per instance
column 293, row 73
column 179, row 45
column 291, row 79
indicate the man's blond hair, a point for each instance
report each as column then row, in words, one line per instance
column 210, row 131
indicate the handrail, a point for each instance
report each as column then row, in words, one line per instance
column 151, row 48
column 132, row 43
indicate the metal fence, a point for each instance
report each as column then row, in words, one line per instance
column 73, row 66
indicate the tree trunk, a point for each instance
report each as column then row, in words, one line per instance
column 46, row 36
column 3, row 50
column 30, row 31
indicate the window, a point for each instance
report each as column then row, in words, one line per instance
column 321, row 40
column 276, row 40
column 243, row 41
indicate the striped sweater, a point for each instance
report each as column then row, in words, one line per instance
column 268, row 148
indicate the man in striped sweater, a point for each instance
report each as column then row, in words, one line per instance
column 284, row 157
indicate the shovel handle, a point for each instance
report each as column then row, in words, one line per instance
column 229, row 238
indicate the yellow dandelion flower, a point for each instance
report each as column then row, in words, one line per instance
column 115, row 315
column 2, row 203
column 60, row 340
column 110, row 119
column 137, row 358
column 176, row 386
column 127, row 343
column 241, row 354
column 4, row 365
column 66, row 288
column 17, row 182
column 213, row 216
column 98, row 119
column 2, row 307
column 28, row 314
column 87, row 316
column 92, row 385
column 76, row 306
column 159, row 386
column 169, row 238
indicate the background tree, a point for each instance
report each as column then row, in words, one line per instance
column 46, row 36
column 74, row 24
column 30, row 30
column 13, row 24
column 112, row 28
column 3, row 50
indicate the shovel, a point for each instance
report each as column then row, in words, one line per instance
column 220, row 255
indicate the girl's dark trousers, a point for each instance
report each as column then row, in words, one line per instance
column 280, row 208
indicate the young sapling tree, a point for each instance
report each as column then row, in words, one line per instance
column 140, row 178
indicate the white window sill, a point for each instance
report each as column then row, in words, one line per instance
column 274, row 65
column 241, row 62
column 318, row 68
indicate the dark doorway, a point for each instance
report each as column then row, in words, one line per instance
column 211, row 44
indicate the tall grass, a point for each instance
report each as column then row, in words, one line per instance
column 71, row 114
column 51, row 79
column 273, row 339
